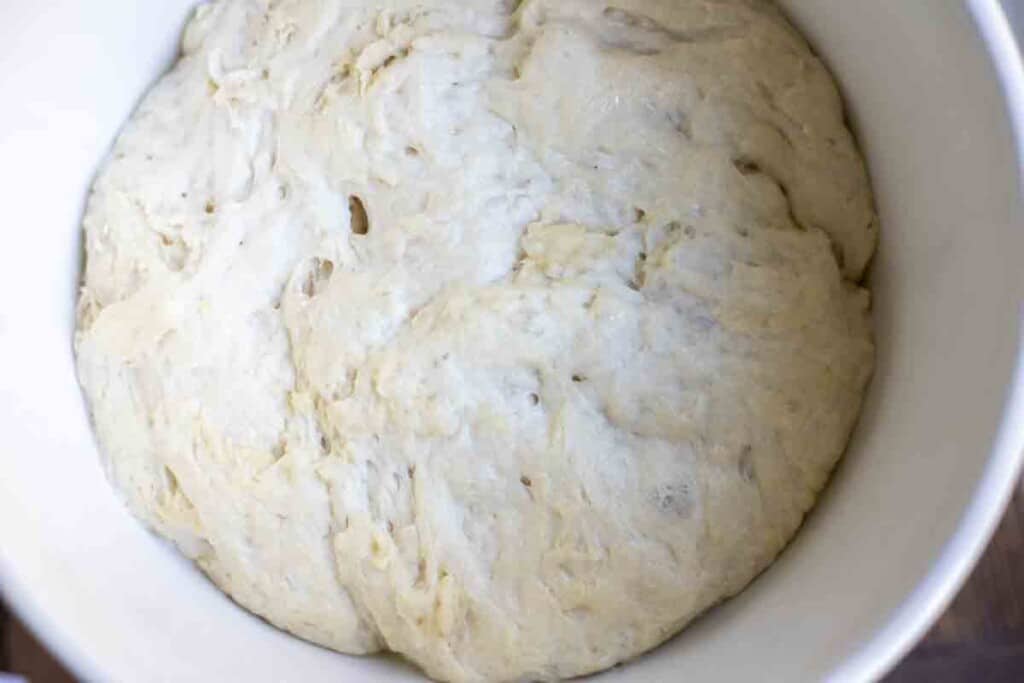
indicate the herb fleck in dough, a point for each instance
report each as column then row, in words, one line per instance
column 506, row 336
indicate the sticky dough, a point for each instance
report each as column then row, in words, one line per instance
column 506, row 336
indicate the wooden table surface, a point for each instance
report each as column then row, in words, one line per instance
column 981, row 637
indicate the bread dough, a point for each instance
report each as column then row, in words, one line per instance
column 505, row 336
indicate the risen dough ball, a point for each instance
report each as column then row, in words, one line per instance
column 508, row 337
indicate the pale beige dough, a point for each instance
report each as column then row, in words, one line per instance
column 506, row 336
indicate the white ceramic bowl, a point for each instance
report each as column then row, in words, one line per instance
column 933, row 88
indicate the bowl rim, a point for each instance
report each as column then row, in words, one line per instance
column 910, row 621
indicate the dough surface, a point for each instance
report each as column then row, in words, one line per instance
column 508, row 336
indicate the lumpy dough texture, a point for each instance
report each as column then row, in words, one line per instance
column 505, row 336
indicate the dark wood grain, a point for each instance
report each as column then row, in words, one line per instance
column 981, row 637
column 3, row 638
column 26, row 657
